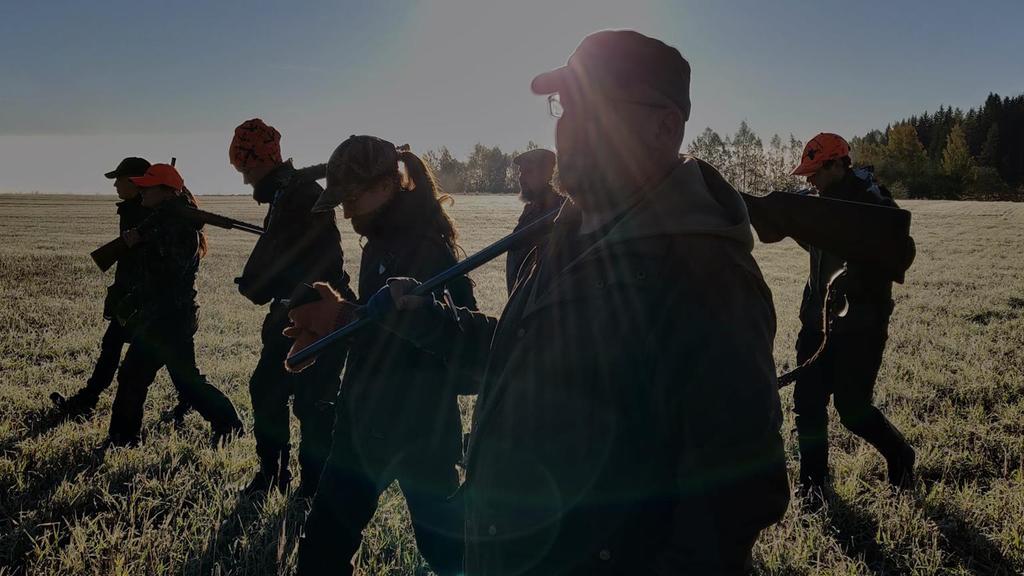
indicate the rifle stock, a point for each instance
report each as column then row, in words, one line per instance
column 107, row 255
column 855, row 231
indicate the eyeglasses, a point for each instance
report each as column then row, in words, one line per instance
column 555, row 108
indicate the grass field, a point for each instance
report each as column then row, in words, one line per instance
column 953, row 381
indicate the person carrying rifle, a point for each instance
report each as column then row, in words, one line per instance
column 130, row 213
column 398, row 412
column 848, row 365
column 158, row 311
column 536, row 169
column 298, row 247
column 628, row 415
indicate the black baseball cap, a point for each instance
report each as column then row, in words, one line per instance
column 130, row 167
column 622, row 59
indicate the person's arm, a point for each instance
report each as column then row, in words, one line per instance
column 717, row 405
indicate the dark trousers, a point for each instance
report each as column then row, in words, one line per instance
column 846, row 371
column 167, row 344
column 114, row 339
column 111, row 345
column 347, row 498
column 315, row 389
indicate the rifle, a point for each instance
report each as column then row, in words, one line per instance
column 854, row 231
column 372, row 311
column 105, row 256
column 835, row 225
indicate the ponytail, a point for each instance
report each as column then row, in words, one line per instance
column 421, row 181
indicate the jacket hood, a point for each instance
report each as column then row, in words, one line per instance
column 694, row 200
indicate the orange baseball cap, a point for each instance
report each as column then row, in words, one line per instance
column 822, row 148
column 160, row 175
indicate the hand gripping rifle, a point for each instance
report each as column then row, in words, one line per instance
column 105, row 256
column 852, row 230
column 855, row 231
column 368, row 314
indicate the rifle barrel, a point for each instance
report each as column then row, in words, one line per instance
column 464, row 267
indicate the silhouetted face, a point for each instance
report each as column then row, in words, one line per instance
column 827, row 176
column 606, row 142
column 153, row 196
column 534, row 177
column 251, row 175
column 125, row 189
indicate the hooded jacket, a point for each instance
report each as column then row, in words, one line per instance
column 298, row 245
column 628, row 418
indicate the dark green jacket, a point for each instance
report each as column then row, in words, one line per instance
column 549, row 200
column 628, row 418
column 396, row 398
column 163, row 292
column 868, row 289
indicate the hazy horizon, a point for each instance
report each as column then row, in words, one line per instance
column 87, row 85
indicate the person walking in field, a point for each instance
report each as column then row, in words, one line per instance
column 536, row 169
column 299, row 247
column 398, row 414
column 847, row 367
column 130, row 213
column 159, row 313
column 628, row 415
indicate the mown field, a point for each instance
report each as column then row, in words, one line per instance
column 953, row 381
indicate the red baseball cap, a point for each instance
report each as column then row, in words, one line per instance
column 160, row 175
column 822, row 148
column 621, row 59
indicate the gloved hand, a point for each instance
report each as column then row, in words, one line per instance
column 314, row 320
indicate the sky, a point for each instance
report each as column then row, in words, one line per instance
column 83, row 84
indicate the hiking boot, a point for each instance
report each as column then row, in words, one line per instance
column 80, row 405
column 901, row 469
column 224, row 434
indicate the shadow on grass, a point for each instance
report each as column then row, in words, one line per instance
column 855, row 532
column 271, row 539
column 973, row 550
column 28, row 511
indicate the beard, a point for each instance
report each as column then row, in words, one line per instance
column 583, row 180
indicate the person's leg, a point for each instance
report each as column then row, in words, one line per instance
column 137, row 372
column 269, row 390
column 858, row 357
column 177, row 349
column 437, row 518
column 316, row 391
column 810, row 404
column 113, row 341
column 342, row 507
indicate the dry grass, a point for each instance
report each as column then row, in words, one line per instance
column 952, row 380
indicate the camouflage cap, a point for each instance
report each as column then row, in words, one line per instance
column 356, row 161
column 537, row 157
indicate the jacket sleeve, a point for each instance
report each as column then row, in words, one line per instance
column 453, row 330
column 299, row 246
column 715, row 395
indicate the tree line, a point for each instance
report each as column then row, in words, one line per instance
column 949, row 154
column 952, row 154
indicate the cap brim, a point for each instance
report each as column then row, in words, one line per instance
column 145, row 181
column 550, row 82
column 111, row 175
column 325, row 203
column 805, row 169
